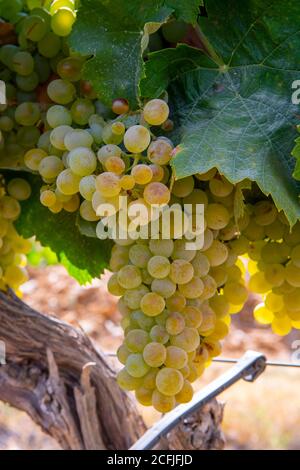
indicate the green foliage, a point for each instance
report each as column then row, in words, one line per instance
column 237, row 115
column 84, row 257
column 113, row 33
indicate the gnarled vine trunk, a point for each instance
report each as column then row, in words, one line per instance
column 54, row 373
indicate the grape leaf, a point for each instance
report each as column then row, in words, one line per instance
column 111, row 31
column 238, row 115
column 85, row 258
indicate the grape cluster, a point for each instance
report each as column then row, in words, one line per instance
column 273, row 251
column 176, row 302
column 13, row 247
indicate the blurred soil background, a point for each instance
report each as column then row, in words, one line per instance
column 262, row 415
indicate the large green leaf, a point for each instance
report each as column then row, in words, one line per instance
column 238, row 115
column 85, row 258
column 111, row 31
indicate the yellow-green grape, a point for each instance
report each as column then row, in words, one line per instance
column 216, row 216
column 161, row 247
column 160, row 152
column 87, row 212
column 128, row 382
column 220, row 187
column 176, row 302
column 254, row 249
column 108, row 150
column 181, row 272
column 114, row 287
column 133, row 297
column 108, row 184
column 115, row 165
column 274, row 302
column 144, row 322
column 129, row 277
column 67, row 182
column 158, row 267
column 149, row 379
column 61, row 91
column 275, row 230
column 265, row 213
column 274, row 252
column 154, row 354
column 217, row 253
column 57, row 207
column 192, row 289
column 259, row 284
column 156, row 193
column 176, row 358
column 78, row 138
column 175, row 323
column 292, row 275
column 207, row 176
column 186, row 393
column 183, row 187
column 87, row 187
column 164, row 287
column 152, row 304
column 159, row 334
column 139, row 255
column 144, row 396
column 220, row 275
column 62, row 21
column 9, row 208
column 169, row 381
column 192, row 316
column 200, row 264
column 47, row 198
column 137, row 139
column 162, row 403
column 295, row 255
column 188, row 339
column 118, row 128
column 50, row 167
column 142, row 174
column 210, row 287
column 14, row 276
column 180, row 251
column 82, row 161
column 236, row 293
column 220, row 305
column 281, row 326
column 156, row 112
column 275, row 274
column 127, row 182
column 33, row 158
column 136, row 366
column 136, row 340
column 122, row 354
column 263, row 315
column 19, row 188
column 254, row 231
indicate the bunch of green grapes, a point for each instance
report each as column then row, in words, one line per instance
column 86, row 161
column 177, row 302
column 40, row 56
column 13, row 247
column 273, row 250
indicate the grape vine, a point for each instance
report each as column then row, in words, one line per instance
column 90, row 157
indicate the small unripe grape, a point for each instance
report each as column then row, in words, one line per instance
column 120, row 106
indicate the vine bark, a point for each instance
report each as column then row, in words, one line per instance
column 54, row 373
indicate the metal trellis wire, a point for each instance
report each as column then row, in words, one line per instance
column 250, row 366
